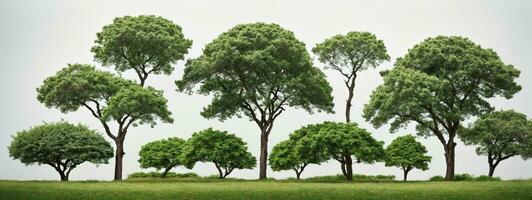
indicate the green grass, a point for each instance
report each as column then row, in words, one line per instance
column 238, row 189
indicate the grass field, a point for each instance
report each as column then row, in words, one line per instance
column 279, row 190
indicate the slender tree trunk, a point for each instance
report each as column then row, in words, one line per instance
column 298, row 174
column 349, row 168
column 348, row 105
column 263, row 153
column 449, row 159
column 119, row 155
column 220, row 173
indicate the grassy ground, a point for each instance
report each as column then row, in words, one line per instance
column 232, row 189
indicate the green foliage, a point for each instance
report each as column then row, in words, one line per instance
column 107, row 96
column 438, row 84
column 340, row 139
column 284, row 157
column 162, row 154
column 226, row 151
column 355, row 51
column 407, row 153
column 437, row 178
column 339, row 177
column 487, row 178
column 464, row 177
column 61, row 145
column 146, row 43
column 255, row 67
column 159, row 175
column 500, row 135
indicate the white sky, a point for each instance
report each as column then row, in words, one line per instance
column 38, row 38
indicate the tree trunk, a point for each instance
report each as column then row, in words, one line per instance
column 263, row 154
column 342, row 165
column 349, row 168
column 119, row 155
column 163, row 175
column 348, row 105
column 492, row 169
column 64, row 177
column 449, row 159
column 405, row 174
column 298, row 174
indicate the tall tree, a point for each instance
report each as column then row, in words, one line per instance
column 108, row 98
column 349, row 54
column 438, row 84
column 346, row 142
column 162, row 154
column 146, row 44
column 61, row 145
column 407, row 153
column 500, row 135
column 226, row 151
column 257, row 70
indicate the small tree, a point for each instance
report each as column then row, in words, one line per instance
column 61, row 145
column 257, row 70
column 345, row 142
column 162, row 154
column 146, row 43
column 226, row 151
column 500, row 135
column 407, row 153
column 438, row 84
column 349, row 54
column 108, row 98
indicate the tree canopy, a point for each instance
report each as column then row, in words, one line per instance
column 438, row 84
column 500, row 135
column 345, row 142
column 145, row 43
column 349, row 54
column 60, row 145
column 108, row 98
column 407, row 153
column 162, row 154
column 257, row 70
column 226, row 151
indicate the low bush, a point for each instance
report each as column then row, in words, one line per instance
column 158, row 175
column 339, row 177
column 437, row 178
column 487, row 178
column 466, row 177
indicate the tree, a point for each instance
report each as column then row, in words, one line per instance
column 108, row 98
column 162, row 154
column 349, row 54
column 226, row 151
column 61, row 145
column 296, row 153
column 500, row 135
column 146, row 43
column 257, row 70
column 407, row 153
column 345, row 142
column 438, row 84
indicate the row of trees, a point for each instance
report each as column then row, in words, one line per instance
column 258, row 70
column 226, row 151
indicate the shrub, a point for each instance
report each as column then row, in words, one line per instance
column 437, row 178
column 338, row 177
column 463, row 177
column 158, row 175
column 487, row 178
